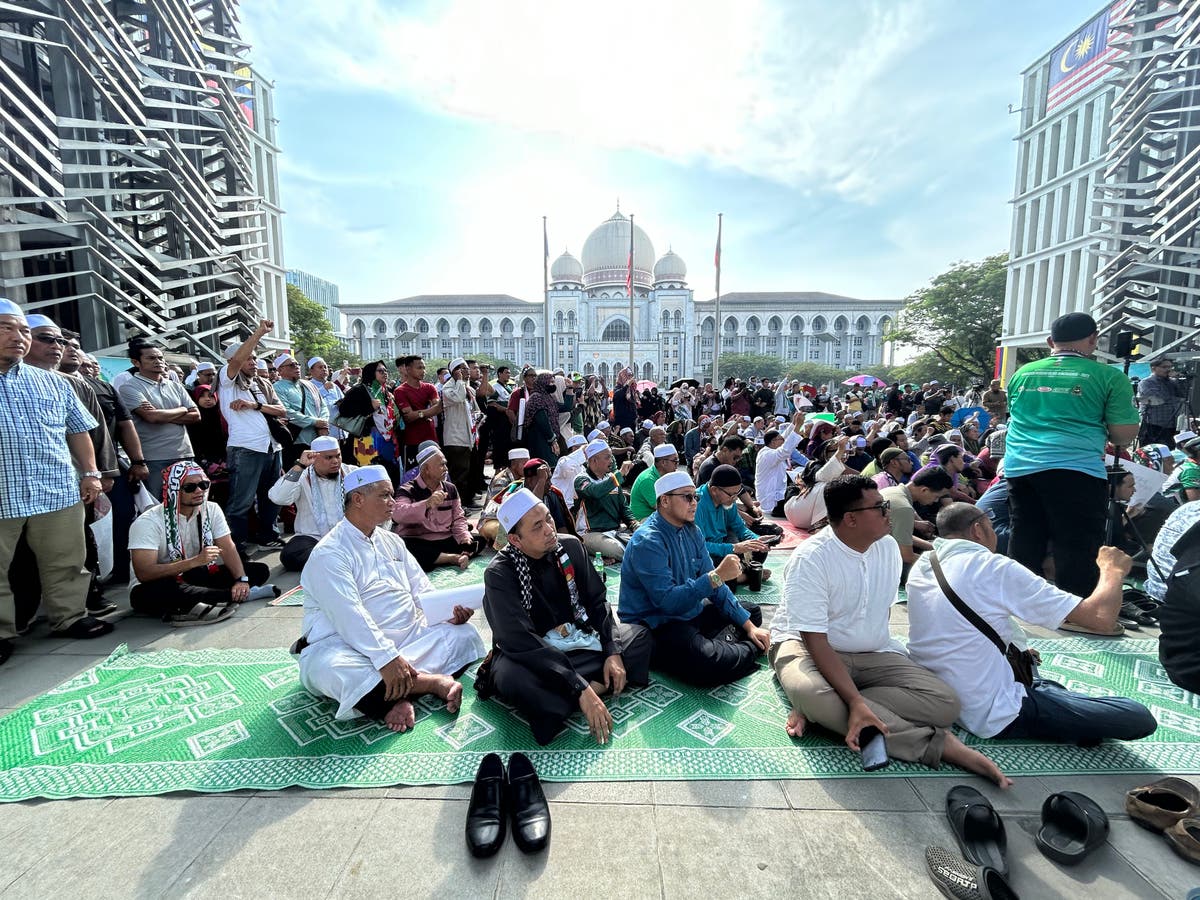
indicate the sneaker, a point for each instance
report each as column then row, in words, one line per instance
column 97, row 606
column 271, row 543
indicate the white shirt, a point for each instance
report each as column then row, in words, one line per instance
column 565, row 471
column 308, row 492
column 149, row 532
column 458, row 414
column 805, row 510
column 832, row 589
column 770, row 471
column 943, row 641
column 247, row 427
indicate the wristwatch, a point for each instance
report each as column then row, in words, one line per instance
column 83, row 475
column 714, row 579
column 245, row 579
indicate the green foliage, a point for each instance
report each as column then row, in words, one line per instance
column 311, row 333
column 744, row 365
column 957, row 319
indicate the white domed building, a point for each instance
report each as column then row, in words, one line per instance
column 590, row 322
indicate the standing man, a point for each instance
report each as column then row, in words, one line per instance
column 162, row 410
column 254, row 460
column 458, row 429
column 995, row 402
column 1160, row 398
column 50, row 473
column 495, row 409
column 305, row 408
column 419, row 402
column 1063, row 409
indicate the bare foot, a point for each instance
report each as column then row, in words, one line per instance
column 795, row 724
column 464, row 560
column 958, row 753
column 400, row 717
column 448, row 689
column 766, row 574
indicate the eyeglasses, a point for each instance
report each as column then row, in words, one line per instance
column 192, row 486
column 735, row 491
column 50, row 339
column 690, row 497
column 883, row 506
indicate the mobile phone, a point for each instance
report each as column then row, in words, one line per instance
column 873, row 749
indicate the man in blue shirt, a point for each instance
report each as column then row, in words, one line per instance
column 723, row 528
column 701, row 633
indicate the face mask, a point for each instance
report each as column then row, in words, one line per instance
column 728, row 505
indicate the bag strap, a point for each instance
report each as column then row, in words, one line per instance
column 967, row 613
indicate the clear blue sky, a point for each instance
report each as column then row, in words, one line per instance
column 854, row 147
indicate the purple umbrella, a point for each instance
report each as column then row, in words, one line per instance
column 865, row 381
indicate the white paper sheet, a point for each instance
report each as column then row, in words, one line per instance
column 439, row 605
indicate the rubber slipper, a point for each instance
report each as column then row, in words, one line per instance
column 84, row 629
column 1184, row 838
column 1117, row 630
column 202, row 614
column 977, row 827
column 1073, row 825
column 1162, row 803
column 960, row 880
column 1135, row 613
column 1127, row 621
column 1140, row 599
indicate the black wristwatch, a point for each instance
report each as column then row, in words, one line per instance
column 258, row 405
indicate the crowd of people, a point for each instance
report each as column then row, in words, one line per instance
column 983, row 503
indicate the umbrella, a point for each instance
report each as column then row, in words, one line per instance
column 801, row 401
column 685, row 382
column 645, row 385
column 865, row 381
column 961, row 415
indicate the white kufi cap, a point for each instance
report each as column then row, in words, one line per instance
column 665, row 450
column 514, row 507
column 323, row 443
column 595, row 447
column 672, row 481
column 364, row 476
column 576, row 440
column 517, row 453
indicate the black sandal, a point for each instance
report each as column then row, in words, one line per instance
column 84, row 629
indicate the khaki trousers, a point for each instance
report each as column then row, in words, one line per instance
column 915, row 705
column 597, row 542
column 57, row 540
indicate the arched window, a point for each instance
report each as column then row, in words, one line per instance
column 752, row 326
column 401, row 326
column 706, row 327
column 648, row 371
column 884, row 325
column 862, row 324
column 570, row 320
column 840, row 324
column 380, row 327
column 589, row 369
column 818, row 324
column 731, row 325
column 464, row 327
column 443, row 328
column 796, row 325
column 678, row 320
column 485, row 327
column 422, row 326
column 528, row 329
column 558, row 321
column 666, row 319
column 616, row 330
column 774, row 325
column 604, row 371
column 506, row 327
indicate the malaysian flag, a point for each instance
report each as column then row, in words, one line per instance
column 1085, row 57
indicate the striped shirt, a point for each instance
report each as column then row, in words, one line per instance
column 38, row 409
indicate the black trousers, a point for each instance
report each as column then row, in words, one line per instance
column 168, row 597
column 1156, row 434
column 546, row 708
column 706, row 651
column 296, row 552
column 1062, row 511
column 426, row 553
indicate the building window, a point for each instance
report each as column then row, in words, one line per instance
column 616, row 331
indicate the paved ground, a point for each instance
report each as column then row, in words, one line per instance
column 833, row 838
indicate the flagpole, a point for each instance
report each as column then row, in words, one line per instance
column 546, row 291
column 717, row 336
column 631, row 365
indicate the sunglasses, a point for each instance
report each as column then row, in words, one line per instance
column 50, row 339
column 687, row 498
column 192, row 486
column 883, row 506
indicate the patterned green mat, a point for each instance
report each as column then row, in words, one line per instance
column 220, row 720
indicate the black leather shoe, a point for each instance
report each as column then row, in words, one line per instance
column 527, row 805
column 486, row 813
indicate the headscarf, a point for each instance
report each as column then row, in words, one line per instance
column 540, row 398
column 171, row 483
column 822, row 433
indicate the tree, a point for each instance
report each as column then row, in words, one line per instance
column 957, row 318
column 311, row 333
column 743, row 365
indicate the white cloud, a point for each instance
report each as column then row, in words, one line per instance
column 805, row 95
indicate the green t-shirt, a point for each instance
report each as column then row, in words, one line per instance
column 1060, row 408
column 641, row 496
column 1189, row 479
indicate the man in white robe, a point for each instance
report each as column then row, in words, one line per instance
column 569, row 467
column 366, row 642
column 314, row 485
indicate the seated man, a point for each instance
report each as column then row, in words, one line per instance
column 568, row 468
column 365, row 641
column 641, row 495
column 489, row 527
column 702, row 634
column 1162, row 556
column 927, row 488
column 895, row 467
column 603, row 519
column 429, row 516
column 556, row 646
column 832, row 650
column 995, row 587
column 184, row 565
column 314, row 485
column 724, row 531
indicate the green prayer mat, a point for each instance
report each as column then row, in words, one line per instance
column 221, row 720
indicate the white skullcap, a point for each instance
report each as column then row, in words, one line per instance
column 595, row 447
column 514, row 506
column 261, row 365
column 8, row 308
column 206, row 367
column 626, row 429
column 455, row 363
column 423, row 456
column 364, row 476
column 576, row 440
column 646, row 423
column 665, row 450
column 283, row 358
column 603, row 426
column 672, row 481
column 312, row 362
column 37, row 320
column 1184, row 436
column 323, row 443
column 518, row 453
column 229, row 351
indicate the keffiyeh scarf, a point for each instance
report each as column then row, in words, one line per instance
column 171, row 483
column 525, row 579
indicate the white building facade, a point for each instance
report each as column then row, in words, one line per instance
column 591, row 326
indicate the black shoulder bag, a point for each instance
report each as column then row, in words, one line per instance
column 1021, row 661
column 278, row 428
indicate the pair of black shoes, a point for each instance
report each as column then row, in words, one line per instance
column 500, row 795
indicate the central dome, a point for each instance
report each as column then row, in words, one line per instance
column 605, row 255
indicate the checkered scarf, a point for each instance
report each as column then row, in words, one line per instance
column 525, row 579
column 171, row 483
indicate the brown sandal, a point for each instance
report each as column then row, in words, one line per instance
column 1184, row 838
column 1162, row 804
